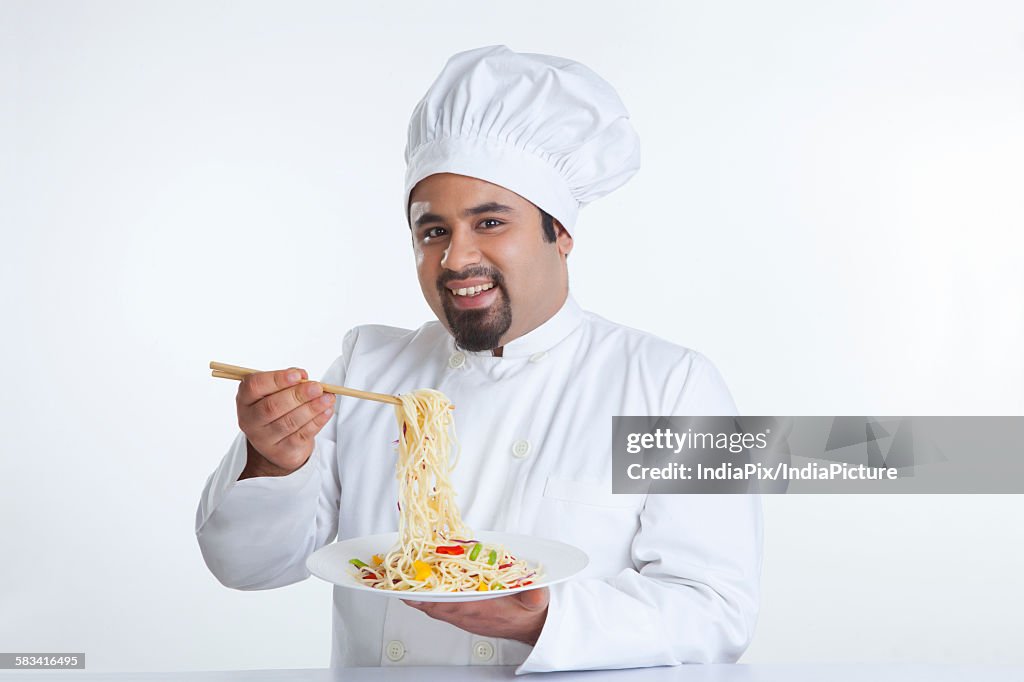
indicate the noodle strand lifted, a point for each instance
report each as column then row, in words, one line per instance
column 435, row 550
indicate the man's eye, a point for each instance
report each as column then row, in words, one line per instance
column 491, row 220
column 434, row 233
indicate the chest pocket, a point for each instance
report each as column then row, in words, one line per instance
column 592, row 494
column 589, row 516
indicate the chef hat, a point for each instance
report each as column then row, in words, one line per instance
column 547, row 128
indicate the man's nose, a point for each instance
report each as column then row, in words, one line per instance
column 462, row 251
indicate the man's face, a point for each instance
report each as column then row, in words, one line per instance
column 487, row 242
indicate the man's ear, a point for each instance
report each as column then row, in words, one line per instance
column 562, row 239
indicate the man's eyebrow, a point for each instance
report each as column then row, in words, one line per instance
column 428, row 218
column 489, row 207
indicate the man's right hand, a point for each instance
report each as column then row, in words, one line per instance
column 280, row 415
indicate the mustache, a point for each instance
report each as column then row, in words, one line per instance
column 492, row 274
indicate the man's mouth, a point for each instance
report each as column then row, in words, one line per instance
column 471, row 291
column 468, row 295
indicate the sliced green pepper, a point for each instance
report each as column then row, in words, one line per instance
column 357, row 563
column 475, row 552
column 493, row 557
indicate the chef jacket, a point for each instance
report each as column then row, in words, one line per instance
column 672, row 578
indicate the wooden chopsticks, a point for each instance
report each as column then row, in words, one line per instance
column 224, row 371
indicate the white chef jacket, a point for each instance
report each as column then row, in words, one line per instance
column 671, row 579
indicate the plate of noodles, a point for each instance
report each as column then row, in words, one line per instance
column 479, row 567
column 434, row 556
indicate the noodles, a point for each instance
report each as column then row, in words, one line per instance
column 435, row 551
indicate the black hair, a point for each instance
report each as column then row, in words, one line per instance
column 548, row 223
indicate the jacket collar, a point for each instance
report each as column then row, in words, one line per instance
column 544, row 337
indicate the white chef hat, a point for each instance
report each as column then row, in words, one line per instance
column 547, row 128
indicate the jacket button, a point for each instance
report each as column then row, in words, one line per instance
column 457, row 360
column 537, row 357
column 521, row 448
column 483, row 651
column 394, row 650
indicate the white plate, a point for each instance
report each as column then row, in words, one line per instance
column 558, row 561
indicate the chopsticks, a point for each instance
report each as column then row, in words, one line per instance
column 225, row 371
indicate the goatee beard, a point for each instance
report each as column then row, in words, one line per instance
column 480, row 329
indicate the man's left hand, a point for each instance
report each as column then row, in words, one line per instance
column 517, row 616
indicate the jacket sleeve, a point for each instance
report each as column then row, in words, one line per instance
column 692, row 593
column 256, row 534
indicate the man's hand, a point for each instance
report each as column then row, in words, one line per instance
column 517, row 616
column 280, row 415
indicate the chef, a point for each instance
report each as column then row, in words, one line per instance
column 503, row 151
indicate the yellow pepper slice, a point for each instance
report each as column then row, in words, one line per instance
column 482, row 587
column 423, row 570
column 377, row 559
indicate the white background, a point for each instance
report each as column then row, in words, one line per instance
column 829, row 207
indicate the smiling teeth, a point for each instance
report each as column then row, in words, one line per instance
column 472, row 291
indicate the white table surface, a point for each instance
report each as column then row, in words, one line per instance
column 686, row 673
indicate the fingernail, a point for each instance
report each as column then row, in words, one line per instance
column 293, row 377
column 326, row 398
column 413, row 603
column 313, row 390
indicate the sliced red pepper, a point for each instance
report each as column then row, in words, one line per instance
column 504, row 566
column 453, row 550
